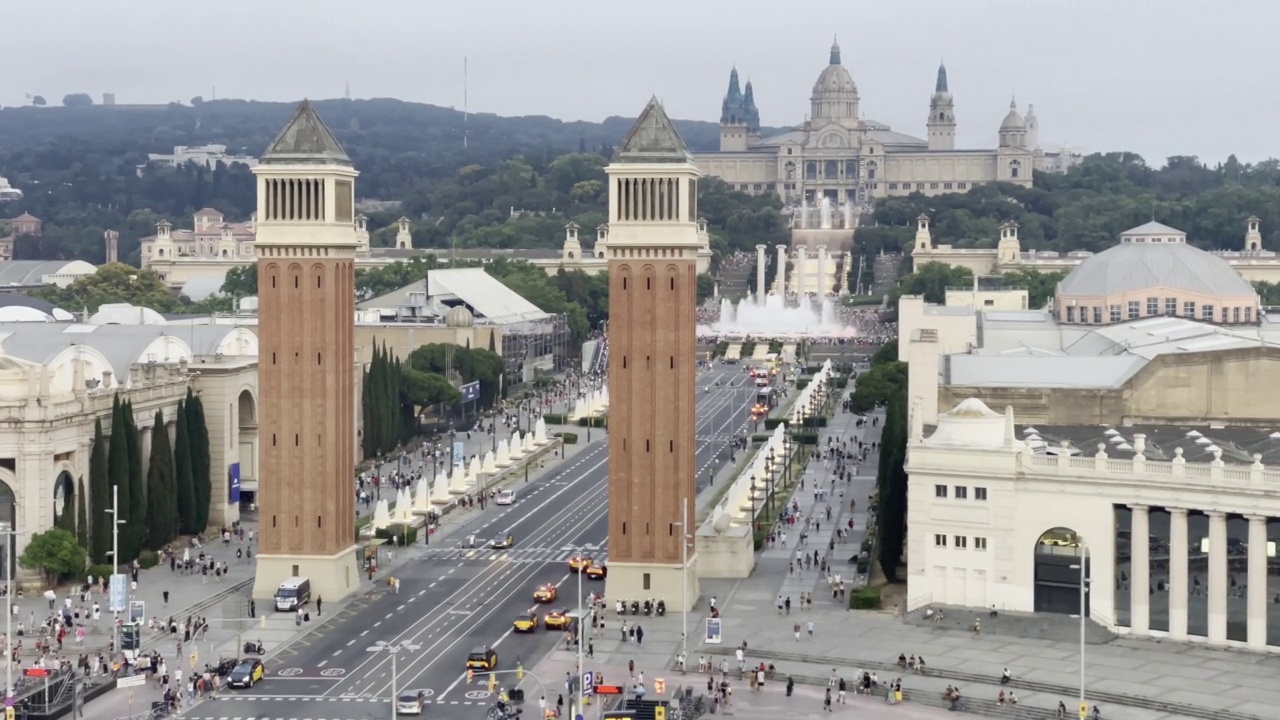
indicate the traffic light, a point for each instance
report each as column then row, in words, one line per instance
column 493, row 683
column 520, row 672
column 471, row 675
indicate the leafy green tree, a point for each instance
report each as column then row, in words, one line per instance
column 469, row 364
column 1040, row 285
column 82, row 514
column 201, row 464
column 138, row 505
column 55, row 554
column 184, row 475
column 878, row 385
column 118, row 469
column 162, row 518
column 113, row 283
column 891, row 482
column 39, row 101
column 932, row 280
column 77, row 100
column 100, row 497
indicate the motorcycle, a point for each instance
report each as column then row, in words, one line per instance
column 662, row 608
column 648, row 607
column 251, row 648
column 635, row 607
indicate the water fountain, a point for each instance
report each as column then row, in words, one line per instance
column 490, row 464
column 458, row 481
column 403, row 506
column 381, row 516
column 777, row 318
column 517, row 447
column 504, row 454
column 528, row 443
column 824, row 214
column 420, row 501
column 440, row 490
column 540, row 432
column 473, row 471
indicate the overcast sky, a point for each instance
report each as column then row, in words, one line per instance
column 1160, row 77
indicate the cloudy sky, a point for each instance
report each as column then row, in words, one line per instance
column 1160, row 77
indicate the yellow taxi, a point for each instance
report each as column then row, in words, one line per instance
column 597, row 572
column 526, row 622
column 557, row 619
column 482, row 658
column 545, row 594
column 578, row 563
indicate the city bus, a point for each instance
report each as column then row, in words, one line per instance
column 765, row 400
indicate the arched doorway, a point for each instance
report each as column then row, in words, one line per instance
column 247, row 467
column 1059, row 554
column 64, row 496
column 8, row 505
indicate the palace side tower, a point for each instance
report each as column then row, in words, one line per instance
column 306, row 250
column 653, row 283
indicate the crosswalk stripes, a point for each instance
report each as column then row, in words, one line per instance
column 516, row 555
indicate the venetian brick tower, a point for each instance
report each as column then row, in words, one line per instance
column 653, row 283
column 306, row 249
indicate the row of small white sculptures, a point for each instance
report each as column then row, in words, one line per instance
column 592, row 403
column 462, row 480
column 745, row 496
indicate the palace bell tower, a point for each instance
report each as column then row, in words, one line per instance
column 306, row 247
column 653, row 293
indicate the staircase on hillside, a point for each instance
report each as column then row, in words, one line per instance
column 886, row 273
column 735, row 283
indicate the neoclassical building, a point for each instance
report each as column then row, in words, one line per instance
column 1251, row 261
column 57, row 378
column 840, row 155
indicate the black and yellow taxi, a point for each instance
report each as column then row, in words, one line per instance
column 545, row 593
column 246, row 673
column 598, row 572
column 526, row 622
column 557, row 619
column 579, row 563
column 482, row 658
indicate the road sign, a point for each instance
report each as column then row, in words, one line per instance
column 333, row 672
column 290, row 672
column 1084, row 709
column 588, row 683
column 132, row 681
column 477, row 694
column 713, row 635
column 35, row 672
column 608, row 689
column 137, row 612
column 660, row 712
column 660, row 686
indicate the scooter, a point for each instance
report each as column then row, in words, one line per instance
column 662, row 608
column 250, row 648
column 635, row 607
column 648, row 607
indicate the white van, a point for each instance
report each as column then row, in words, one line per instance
column 293, row 593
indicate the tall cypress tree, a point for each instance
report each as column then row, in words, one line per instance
column 892, row 515
column 162, row 516
column 99, row 497
column 138, row 507
column 201, row 464
column 118, row 472
column 184, row 478
column 82, row 514
column 366, row 416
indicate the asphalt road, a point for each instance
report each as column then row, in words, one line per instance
column 452, row 599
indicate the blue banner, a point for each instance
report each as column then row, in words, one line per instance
column 233, row 483
column 470, row 391
column 459, row 453
column 119, row 592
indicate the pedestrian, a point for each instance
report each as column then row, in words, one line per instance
column 826, row 700
column 319, row 603
column 165, row 594
column 796, row 629
column 809, row 629
column 639, row 634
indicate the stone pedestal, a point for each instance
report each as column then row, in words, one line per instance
column 333, row 577
column 626, row 581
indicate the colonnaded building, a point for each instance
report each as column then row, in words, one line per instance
column 58, row 377
column 839, row 155
column 1136, row 436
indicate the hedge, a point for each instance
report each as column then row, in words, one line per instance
column 803, row 382
column 864, row 598
column 813, row 370
column 815, row 422
column 148, row 559
column 748, row 350
column 407, row 534
column 761, row 438
column 569, row 438
column 595, row 421
column 771, row 423
column 553, row 419
column 775, row 346
column 840, row 383
column 805, row 438
column 100, row 571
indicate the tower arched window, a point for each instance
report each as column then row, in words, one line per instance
column 789, row 170
column 831, row 170
column 871, row 170
column 851, row 168
column 1015, row 167
column 811, row 171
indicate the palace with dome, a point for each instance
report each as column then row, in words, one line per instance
column 838, row 154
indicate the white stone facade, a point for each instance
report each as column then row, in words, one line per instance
column 999, row 519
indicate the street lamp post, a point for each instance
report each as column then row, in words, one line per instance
column 8, row 533
column 392, row 649
column 115, row 564
column 1084, row 584
column 684, row 580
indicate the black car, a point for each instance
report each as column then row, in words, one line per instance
column 245, row 674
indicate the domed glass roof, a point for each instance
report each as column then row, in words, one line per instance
column 1134, row 266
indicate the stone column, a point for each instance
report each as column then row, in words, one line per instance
column 1217, row 577
column 1177, row 573
column 781, row 277
column 823, row 286
column 1140, row 571
column 761, row 290
column 1257, row 581
column 798, row 276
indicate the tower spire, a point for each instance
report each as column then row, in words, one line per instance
column 835, row 50
column 941, row 85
